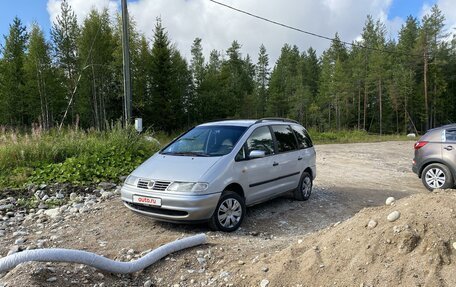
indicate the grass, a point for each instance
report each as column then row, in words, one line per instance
column 351, row 136
column 81, row 157
column 72, row 155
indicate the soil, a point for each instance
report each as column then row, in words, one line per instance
column 320, row 242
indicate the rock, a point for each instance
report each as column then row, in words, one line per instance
column 372, row 224
column 59, row 195
column 411, row 135
column 393, row 216
column 42, row 186
column 454, row 245
column 73, row 196
column 390, row 200
column 265, row 269
column 53, row 213
column 201, row 260
column 78, row 205
column 45, row 197
column 6, row 207
column 14, row 249
column 106, row 185
column 52, row 279
column 106, row 195
column 42, row 206
column 148, row 283
column 2, row 233
column 264, row 283
column 224, row 274
column 19, row 241
column 19, row 233
column 240, row 262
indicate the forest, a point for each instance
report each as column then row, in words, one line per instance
column 376, row 84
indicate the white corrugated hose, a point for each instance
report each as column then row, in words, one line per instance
column 97, row 261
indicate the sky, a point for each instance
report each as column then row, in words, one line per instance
column 218, row 26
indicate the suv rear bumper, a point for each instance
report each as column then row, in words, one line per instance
column 174, row 207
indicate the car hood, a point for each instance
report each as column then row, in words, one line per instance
column 175, row 168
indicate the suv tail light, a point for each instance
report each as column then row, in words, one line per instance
column 420, row 144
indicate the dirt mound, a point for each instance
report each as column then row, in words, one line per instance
column 417, row 249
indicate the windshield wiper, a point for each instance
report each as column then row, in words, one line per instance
column 187, row 153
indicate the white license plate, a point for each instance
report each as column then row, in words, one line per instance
column 147, row 200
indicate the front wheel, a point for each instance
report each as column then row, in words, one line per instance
column 229, row 213
column 304, row 188
column 437, row 176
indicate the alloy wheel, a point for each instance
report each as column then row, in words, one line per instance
column 435, row 178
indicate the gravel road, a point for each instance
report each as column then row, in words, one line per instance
column 350, row 177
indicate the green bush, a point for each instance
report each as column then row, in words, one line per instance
column 71, row 156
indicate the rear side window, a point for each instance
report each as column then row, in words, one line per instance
column 286, row 140
column 303, row 137
column 450, row 135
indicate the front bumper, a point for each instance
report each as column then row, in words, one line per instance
column 174, row 207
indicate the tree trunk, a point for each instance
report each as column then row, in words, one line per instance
column 359, row 107
column 380, row 104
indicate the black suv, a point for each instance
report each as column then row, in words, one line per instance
column 435, row 158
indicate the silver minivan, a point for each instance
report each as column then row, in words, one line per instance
column 214, row 170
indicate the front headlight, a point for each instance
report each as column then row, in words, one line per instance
column 188, row 186
column 131, row 180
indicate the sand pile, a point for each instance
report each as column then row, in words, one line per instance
column 410, row 242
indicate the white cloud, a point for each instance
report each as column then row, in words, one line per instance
column 82, row 8
column 218, row 26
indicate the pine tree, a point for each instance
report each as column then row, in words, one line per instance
column 64, row 33
column 198, row 70
column 14, row 102
column 262, row 81
column 163, row 110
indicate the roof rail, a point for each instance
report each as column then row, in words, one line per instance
column 276, row 119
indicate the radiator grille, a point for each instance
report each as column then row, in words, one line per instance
column 153, row 185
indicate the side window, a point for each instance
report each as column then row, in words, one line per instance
column 286, row 140
column 450, row 135
column 304, row 140
column 261, row 139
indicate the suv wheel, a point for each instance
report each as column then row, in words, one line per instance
column 229, row 213
column 304, row 188
column 436, row 176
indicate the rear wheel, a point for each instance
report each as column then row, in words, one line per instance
column 305, row 187
column 437, row 176
column 229, row 213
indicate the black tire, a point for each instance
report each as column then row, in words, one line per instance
column 437, row 176
column 235, row 216
column 304, row 189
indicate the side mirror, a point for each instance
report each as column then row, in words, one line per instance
column 257, row 154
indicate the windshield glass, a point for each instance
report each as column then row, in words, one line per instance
column 206, row 141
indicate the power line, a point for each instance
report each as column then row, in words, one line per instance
column 307, row 32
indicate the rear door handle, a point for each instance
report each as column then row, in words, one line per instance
column 448, row 147
column 299, row 158
column 275, row 164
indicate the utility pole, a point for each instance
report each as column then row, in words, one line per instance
column 126, row 64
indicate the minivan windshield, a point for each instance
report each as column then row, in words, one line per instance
column 206, row 141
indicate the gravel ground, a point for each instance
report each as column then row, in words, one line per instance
column 351, row 177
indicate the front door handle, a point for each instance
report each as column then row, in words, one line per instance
column 299, row 158
column 275, row 164
column 448, row 147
